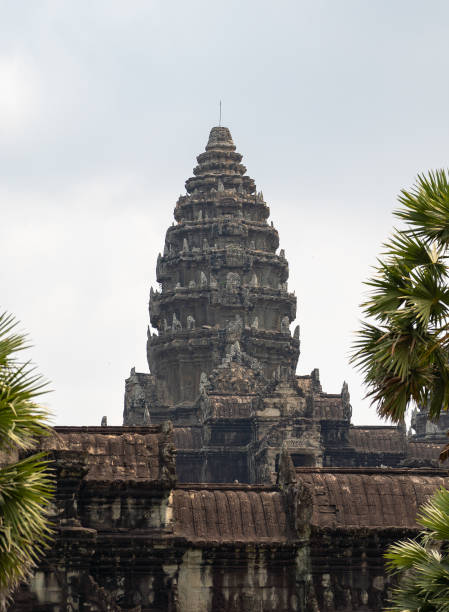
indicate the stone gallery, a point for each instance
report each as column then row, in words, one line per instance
column 234, row 484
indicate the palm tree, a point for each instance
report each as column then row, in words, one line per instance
column 25, row 484
column 403, row 346
column 422, row 565
column 403, row 352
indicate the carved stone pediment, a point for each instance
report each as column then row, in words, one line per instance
column 235, row 379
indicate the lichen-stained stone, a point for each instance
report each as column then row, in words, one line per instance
column 128, row 538
column 114, row 453
column 357, row 514
column 243, row 513
column 369, row 497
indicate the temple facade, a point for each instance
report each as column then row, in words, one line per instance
column 223, row 358
column 234, row 484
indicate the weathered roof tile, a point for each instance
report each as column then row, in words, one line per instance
column 371, row 498
column 237, row 514
column 112, row 453
column 377, row 439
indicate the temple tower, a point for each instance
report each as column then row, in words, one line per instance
column 223, row 359
column 223, row 284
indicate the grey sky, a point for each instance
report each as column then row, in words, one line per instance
column 335, row 105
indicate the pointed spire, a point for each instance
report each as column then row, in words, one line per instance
column 203, row 279
column 285, row 325
column 146, row 417
column 176, row 324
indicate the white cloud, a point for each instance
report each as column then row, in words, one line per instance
column 19, row 95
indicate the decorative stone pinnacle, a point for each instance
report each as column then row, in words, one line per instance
column 220, row 138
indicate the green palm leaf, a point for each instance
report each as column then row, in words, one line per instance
column 422, row 565
column 402, row 349
column 26, row 486
column 425, row 208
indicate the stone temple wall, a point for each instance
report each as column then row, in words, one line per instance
column 235, row 484
column 128, row 537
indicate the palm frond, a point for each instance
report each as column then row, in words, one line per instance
column 422, row 565
column 26, row 486
column 434, row 515
column 407, row 249
column 402, row 348
column 11, row 342
column 425, row 208
column 405, row 555
column 21, row 419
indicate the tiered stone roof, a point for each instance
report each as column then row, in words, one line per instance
column 222, row 280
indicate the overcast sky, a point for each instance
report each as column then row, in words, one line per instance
column 335, row 105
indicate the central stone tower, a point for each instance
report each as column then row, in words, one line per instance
column 223, row 360
column 222, row 283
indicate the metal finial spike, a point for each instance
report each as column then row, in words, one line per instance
column 219, row 122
